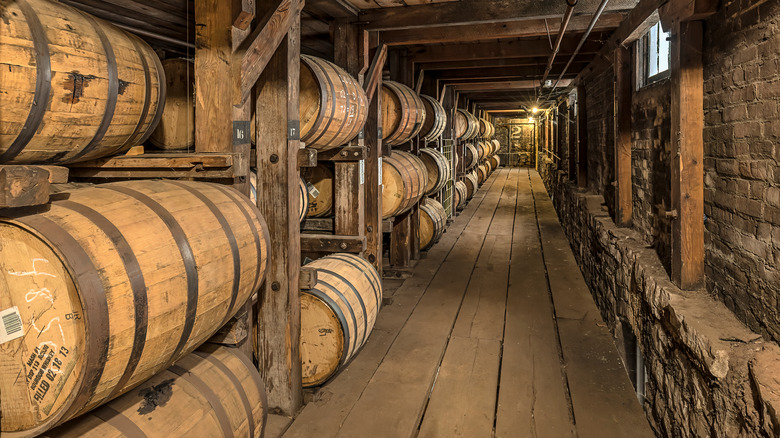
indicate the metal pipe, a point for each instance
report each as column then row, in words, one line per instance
column 585, row 36
column 557, row 47
column 153, row 35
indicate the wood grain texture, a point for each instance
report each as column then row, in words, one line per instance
column 433, row 221
column 215, row 391
column 404, row 179
column 23, row 186
column 622, row 119
column 403, row 113
column 438, row 169
column 337, row 314
column 435, row 119
column 74, row 87
column 176, row 129
column 176, row 261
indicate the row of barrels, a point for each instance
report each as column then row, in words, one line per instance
column 469, row 127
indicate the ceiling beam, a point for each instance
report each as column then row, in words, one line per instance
column 332, row 8
column 528, row 72
column 502, row 85
column 503, row 62
column 476, row 11
column 499, row 50
column 507, row 29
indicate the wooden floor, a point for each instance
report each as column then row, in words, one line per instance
column 495, row 334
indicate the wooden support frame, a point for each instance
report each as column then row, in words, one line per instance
column 372, row 134
column 582, row 137
column 332, row 243
column 687, row 154
column 278, row 318
column 198, row 166
column 622, row 118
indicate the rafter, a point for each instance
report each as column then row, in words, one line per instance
column 499, row 50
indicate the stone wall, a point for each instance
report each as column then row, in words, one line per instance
column 742, row 151
column 707, row 374
column 599, row 89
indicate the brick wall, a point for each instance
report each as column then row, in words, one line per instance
column 742, row 150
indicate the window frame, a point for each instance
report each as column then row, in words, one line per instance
column 643, row 53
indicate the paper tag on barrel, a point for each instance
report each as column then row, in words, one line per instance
column 11, row 327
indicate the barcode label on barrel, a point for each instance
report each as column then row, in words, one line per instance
column 11, row 327
column 362, row 172
column 312, row 190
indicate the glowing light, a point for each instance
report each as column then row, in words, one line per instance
column 535, row 110
column 531, row 119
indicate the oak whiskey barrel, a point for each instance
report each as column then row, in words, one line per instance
column 215, row 391
column 435, row 119
column 176, row 129
column 472, row 184
column 333, row 105
column 472, row 156
column 496, row 146
column 72, row 87
column 403, row 113
column 482, row 173
column 460, row 187
column 433, row 220
column 303, row 197
column 337, row 315
column 486, row 129
column 438, row 169
column 404, row 179
column 113, row 284
column 466, row 125
column 495, row 161
column 319, row 190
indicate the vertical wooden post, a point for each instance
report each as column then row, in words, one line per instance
column 278, row 134
column 373, row 180
column 242, row 113
column 687, row 155
column 401, row 241
column 572, row 144
column 582, row 137
column 622, row 119
column 348, row 191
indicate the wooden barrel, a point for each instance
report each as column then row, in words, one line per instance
column 456, row 199
column 495, row 161
column 433, row 220
column 486, row 129
column 404, row 179
column 333, row 106
column 303, row 197
column 403, row 113
column 488, row 166
column 460, row 187
column 113, row 284
column 435, row 119
column 482, row 173
column 214, row 392
column 176, row 129
column 483, row 148
column 337, row 315
column 466, row 125
column 496, row 146
column 438, row 168
column 472, row 156
column 72, row 87
column 320, row 190
column 472, row 184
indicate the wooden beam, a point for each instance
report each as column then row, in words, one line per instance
column 516, row 73
column 582, row 137
column 503, row 85
column 332, row 243
column 374, row 75
column 332, row 8
column 373, row 164
column 686, row 10
column 401, row 241
column 499, row 50
column 622, row 119
column 687, row 155
column 278, row 312
column 475, row 12
column 524, row 28
column 23, row 186
column 256, row 51
column 538, row 61
column 307, row 278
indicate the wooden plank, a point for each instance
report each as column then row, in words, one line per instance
column 254, row 55
column 392, row 407
column 23, row 186
column 687, row 155
column 501, row 85
column 597, row 380
column 332, row 243
column 345, row 153
column 624, row 204
column 325, row 415
column 373, row 188
column 532, row 397
column 318, row 224
column 214, row 105
column 401, row 241
column 307, row 278
column 476, row 12
column 503, row 29
column 374, row 75
column 582, row 137
column 160, row 161
column 686, row 10
column 278, row 323
column 497, row 50
column 307, row 157
column 57, row 174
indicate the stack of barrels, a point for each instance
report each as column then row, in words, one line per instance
column 112, row 290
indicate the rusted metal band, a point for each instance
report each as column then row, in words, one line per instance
column 119, row 422
column 113, row 90
column 137, row 285
column 147, row 91
column 209, row 395
column 234, row 251
column 239, row 389
column 42, row 83
column 162, row 95
column 93, row 300
column 240, row 201
column 375, row 285
column 187, row 255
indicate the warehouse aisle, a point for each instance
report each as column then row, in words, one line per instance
column 495, row 334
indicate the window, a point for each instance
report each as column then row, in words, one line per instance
column 653, row 56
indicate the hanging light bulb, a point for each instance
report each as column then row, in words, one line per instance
column 535, row 110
